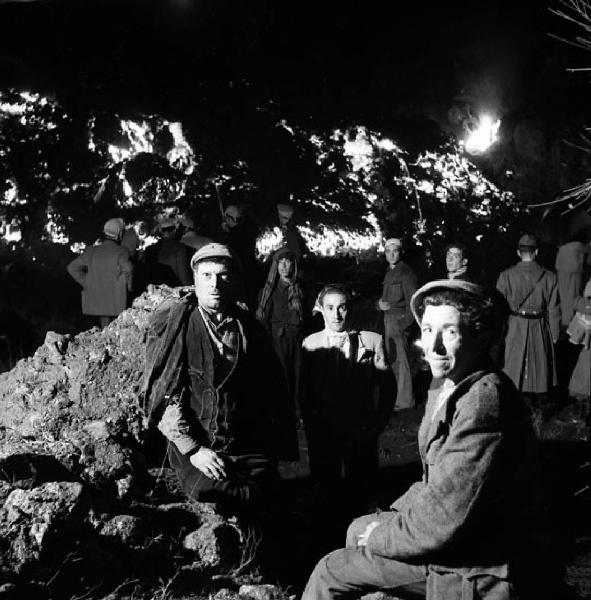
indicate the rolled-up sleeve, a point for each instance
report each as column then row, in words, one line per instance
column 174, row 425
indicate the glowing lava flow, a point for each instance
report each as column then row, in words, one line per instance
column 484, row 136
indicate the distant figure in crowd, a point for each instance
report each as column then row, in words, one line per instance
column 291, row 236
column 240, row 234
column 473, row 527
column 570, row 264
column 214, row 388
column 131, row 241
column 166, row 260
column 105, row 274
column 534, row 322
column 579, row 332
column 280, row 311
column 189, row 236
column 456, row 261
column 400, row 283
column 347, row 395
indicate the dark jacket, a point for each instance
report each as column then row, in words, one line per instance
column 255, row 389
column 105, row 274
column 477, row 515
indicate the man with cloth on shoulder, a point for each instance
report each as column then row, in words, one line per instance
column 474, row 526
column 214, row 388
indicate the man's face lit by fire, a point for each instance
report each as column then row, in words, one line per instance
column 392, row 254
column 334, row 311
column 454, row 260
column 284, row 219
column 285, row 267
column 214, row 285
column 450, row 348
column 233, row 216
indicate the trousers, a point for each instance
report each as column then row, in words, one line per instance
column 252, row 481
column 397, row 351
column 352, row 571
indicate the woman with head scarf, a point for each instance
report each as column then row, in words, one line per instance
column 280, row 310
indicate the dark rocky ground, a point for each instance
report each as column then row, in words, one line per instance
column 85, row 515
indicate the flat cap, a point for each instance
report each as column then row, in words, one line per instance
column 394, row 242
column 209, row 251
column 114, row 227
column 440, row 285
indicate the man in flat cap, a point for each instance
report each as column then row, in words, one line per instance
column 534, row 322
column 105, row 273
column 400, row 283
column 214, row 388
column 473, row 527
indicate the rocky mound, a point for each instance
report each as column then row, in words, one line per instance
column 80, row 509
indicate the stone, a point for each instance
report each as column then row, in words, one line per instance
column 35, row 522
column 217, row 543
column 85, row 391
column 129, row 530
column 264, row 591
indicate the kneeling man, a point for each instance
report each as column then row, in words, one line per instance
column 214, row 388
column 472, row 528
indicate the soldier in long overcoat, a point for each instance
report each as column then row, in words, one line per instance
column 534, row 321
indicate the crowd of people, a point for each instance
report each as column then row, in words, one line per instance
column 232, row 372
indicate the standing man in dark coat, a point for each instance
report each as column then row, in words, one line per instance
column 291, row 236
column 214, row 388
column 534, row 323
column 474, row 526
column 105, row 273
column 167, row 260
column 400, row 283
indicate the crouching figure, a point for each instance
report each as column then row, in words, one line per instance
column 214, row 388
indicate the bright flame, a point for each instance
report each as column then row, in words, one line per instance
column 325, row 240
column 140, row 139
column 181, row 156
column 484, row 136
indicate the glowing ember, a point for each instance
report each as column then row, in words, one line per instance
column 55, row 232
column 181, row 156
column 78, row 247
column 484, row 136
column 324, row 240
column 139, row 137
column 10, row 232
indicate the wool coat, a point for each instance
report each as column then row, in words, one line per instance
column 579, row 384
column 255, row 387
column 105, row 274
column 476, row 519
column 529, row 350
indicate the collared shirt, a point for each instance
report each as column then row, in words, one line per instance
column 338, row 340
column 225, row 339
column 455, row 274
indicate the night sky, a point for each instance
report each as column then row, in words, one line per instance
column 321, row 61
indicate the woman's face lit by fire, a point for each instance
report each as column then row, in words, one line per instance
column 450, row 347
column 285, row 267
